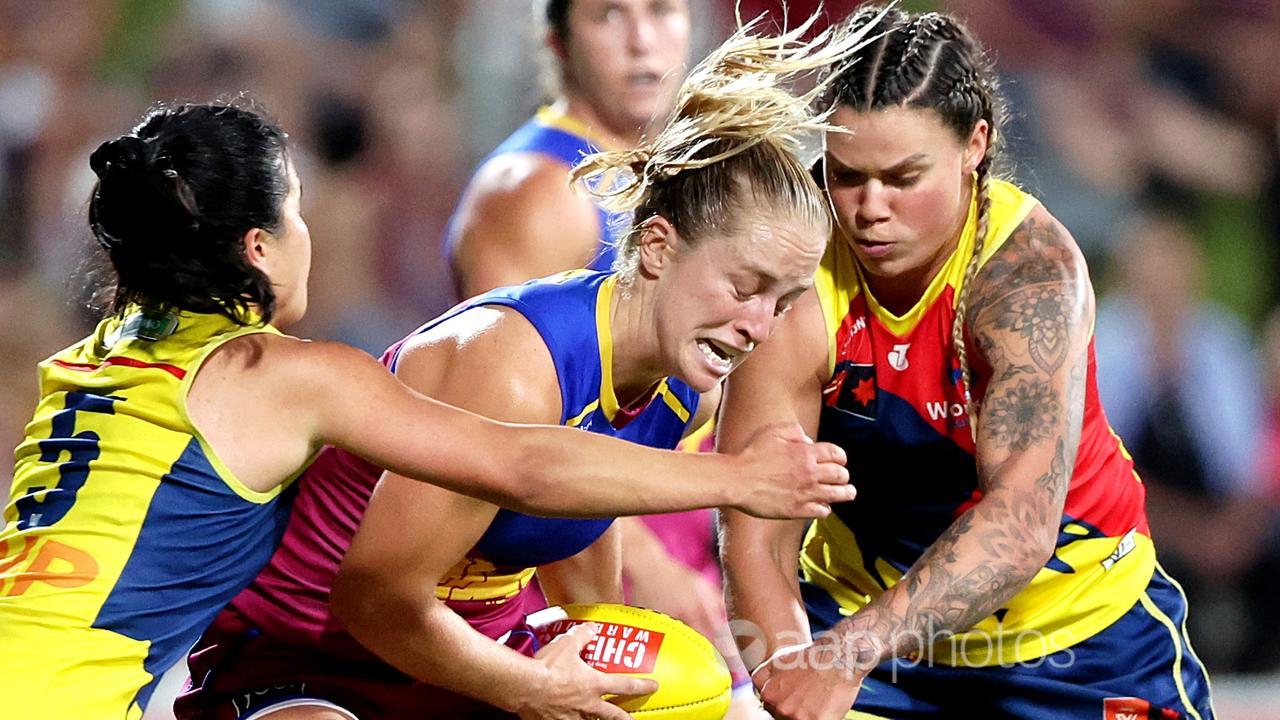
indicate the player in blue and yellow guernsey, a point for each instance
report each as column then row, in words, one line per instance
column 155, row 477
column 519, row 220
column 997, row 561
column 617, row 65
column 430, row 579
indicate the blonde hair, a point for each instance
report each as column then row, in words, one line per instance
column 731, row 143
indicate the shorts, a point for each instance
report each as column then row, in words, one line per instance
column 1141, row 666
column 239, row 673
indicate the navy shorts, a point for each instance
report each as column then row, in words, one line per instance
column 1139, row 668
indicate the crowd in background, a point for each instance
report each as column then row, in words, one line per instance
column 1151, row 128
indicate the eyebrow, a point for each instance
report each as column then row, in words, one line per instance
column 899, row 166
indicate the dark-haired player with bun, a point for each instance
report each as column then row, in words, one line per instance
column 156, row 475
column 997, row 561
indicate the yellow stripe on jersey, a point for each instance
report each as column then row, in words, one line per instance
column 1051, row 613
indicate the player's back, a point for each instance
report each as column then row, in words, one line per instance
column 125, row 533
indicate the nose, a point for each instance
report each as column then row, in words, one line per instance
column 755, row 325
column 642, row 34
column 873, row 204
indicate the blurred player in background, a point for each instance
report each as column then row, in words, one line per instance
column 729, row 228
column 616, row 65
column 156, row 476
column 997, row 561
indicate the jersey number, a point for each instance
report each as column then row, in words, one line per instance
column 83, row 449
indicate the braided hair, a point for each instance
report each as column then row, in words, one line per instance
column 931, row 61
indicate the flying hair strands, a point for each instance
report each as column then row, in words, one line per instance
column 731, row 101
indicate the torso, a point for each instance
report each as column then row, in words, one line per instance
column 107, row 578
column 894, row 399
column 289, row 599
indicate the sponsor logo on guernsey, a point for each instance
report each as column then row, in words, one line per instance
column 858, row 326
column 1124, row 547
column 941, row 409
column 1132, row 708
column 898, row 357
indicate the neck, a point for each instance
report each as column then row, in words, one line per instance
column 637, row 363
column 604, row 134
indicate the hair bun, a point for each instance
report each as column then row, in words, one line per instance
column 126, row 151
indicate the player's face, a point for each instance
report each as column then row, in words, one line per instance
column 720, row 298
column 292, row 267
column 900, row 188
column 626, row 58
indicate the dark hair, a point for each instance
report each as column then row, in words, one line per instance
column 557, row 15
column 930, row 61
column 173, row 200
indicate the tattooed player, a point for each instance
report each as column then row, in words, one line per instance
column 997, row 561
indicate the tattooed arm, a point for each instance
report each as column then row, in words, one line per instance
column 1030, row 313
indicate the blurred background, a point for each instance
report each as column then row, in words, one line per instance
column 1151, row 128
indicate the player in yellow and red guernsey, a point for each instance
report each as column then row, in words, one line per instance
column 156, row 474
column 997, row 561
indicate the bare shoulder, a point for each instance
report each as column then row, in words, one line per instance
column 1039, row 251
column 519, row 219
column 521, row 187
column 488, row 359
column 1033, row 299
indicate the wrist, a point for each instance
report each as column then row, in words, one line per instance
column 726, row 473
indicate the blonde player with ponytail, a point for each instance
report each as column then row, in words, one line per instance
column 729, row 228
column 997, row 560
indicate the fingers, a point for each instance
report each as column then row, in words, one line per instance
column 825, row 452
column 626, row 685
column 578, row 636
column 608, row 711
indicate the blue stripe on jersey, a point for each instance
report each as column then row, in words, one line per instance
column 193, row 514
column 563, row 310
column 567, row 148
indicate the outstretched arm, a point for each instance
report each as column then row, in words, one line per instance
column 1031, row 311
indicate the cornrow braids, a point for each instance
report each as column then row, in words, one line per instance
column 731, row 143
column 931, row 61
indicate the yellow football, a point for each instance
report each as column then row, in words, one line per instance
column 693, row 681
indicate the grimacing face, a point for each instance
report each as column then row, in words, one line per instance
column 626, row 58
column 721, row 297
column 900, row 188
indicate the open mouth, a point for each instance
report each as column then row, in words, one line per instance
column 644, row 79
column 719, row 356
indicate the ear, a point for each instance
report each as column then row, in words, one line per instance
column 655, row 244
column 255, row 249
column 976, row 147
column 555, row 41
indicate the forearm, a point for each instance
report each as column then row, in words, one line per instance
column 762, row 590
column 575, row 474
column 409, row 634
column 986, row 557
